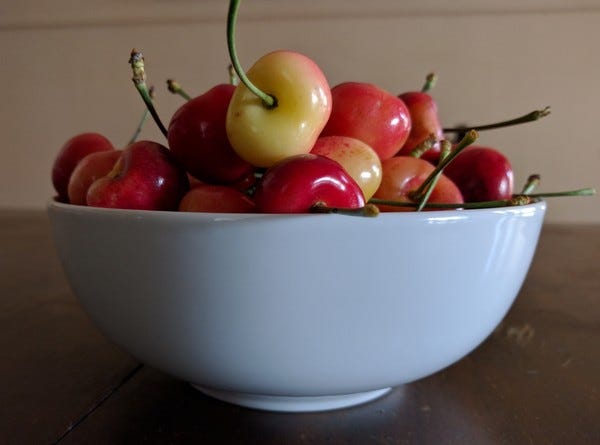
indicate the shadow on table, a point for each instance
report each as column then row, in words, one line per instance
column 154, row 408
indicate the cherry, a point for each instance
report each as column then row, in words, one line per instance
column 402, row 175
column 264, row 134
column 358, row 159
column 425, row 122
column 92, row 167
column 145, row 177
column 215, row 199
column 482, row 174
column 199, row 141
column 366, row 112
column 73, row 151
column 298, row 183
column 264, row 128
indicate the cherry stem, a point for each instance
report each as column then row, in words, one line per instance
column 268, row 100
column 233, row 79
column 430, row 82
column 531, row 184
column 516, row 200
column 424, row 146
column 139, row 79
column 529, row 117
column 446, row 149
column 579, row 192
column 470, row 137
column 143, row 120
column 445, row 205
column 368, row 210
column 174, row 87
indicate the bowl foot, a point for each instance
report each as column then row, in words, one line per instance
column 293, row 404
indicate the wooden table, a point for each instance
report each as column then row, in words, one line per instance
column 535, row 380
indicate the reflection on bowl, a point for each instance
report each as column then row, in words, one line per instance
column 296, row 312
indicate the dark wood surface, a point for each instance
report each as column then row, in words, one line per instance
column 535, row 380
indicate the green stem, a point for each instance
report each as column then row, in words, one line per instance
column 175, row 88
column 268, row 100
column 529, row 117
column 579, row 192
column 139, row 79
column 424, row 146
column 430, row 82
column 470, row 137
column 440, row 205
column 531, row 184
column 233, row 79
column 143, row 120
column 516, row 200
column 446, row 149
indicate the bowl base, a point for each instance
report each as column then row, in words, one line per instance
column 293, row 404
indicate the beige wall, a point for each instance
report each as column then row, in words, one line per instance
column 64, row 71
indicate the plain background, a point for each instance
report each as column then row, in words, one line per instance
column 64, row 71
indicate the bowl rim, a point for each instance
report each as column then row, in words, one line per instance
column 54, row 205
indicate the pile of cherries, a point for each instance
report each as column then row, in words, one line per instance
column 278, row 139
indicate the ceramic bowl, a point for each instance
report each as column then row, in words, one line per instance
column 296, row 312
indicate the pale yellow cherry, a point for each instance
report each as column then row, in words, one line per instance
column 263, row 134
column 359, row 160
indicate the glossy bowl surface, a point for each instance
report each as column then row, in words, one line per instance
column 296, row 312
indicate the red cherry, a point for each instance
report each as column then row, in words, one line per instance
column 425, row 122
column 73, row 151
column 92, row 167
column 482, row 174
column 368, row 113
column 297, row 183
column 216, row 199
column 404, row 174
column 199, row 141
column 145, row 177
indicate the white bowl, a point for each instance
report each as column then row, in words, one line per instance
column 296, row 312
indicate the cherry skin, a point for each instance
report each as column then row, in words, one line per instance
column 215, row 199
column 366, row 112
column 245, row 183
column 73, row 151
column 193, row 180
column 145, row 177
column 404, row 174
column 263, row 135
column 425, row 122
column 482, row 174
column 297, row 183
column 199, row 141
column 358, row 159
column 92, row 167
